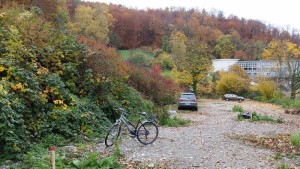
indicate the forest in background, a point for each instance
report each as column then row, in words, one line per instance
column 62, row 75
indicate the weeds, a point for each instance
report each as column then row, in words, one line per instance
column 255, row 117
column 278, row 156
column 237, row 108
column 295, row 139
column 40, row 157
column 282, row 166
column 175, row 122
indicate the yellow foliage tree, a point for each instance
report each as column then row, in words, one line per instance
column 267, row 88
column 287, row 54
column 230, row 82
column 92, row 22
column 177, row 43
column 193, row 66
column 239, row 71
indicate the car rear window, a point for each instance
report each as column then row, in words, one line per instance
column 187, row 96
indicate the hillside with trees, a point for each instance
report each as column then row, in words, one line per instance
column 62, row 74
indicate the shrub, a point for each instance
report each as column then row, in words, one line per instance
column 231, row 83
column 153, row 86
column 255, row 117
column 165, row 61
column 282, row 166
column 39, row 157
column 140, row 59
column 237, row 108
column 267, row 89
column 284, row 102
column 295, row 139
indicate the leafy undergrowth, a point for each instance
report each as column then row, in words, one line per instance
column 175, row 122
column 255, row 117
column 280, row 143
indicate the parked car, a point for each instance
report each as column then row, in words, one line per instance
column 228, row 97
column 188, row 101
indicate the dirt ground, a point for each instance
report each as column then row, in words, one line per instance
column 206, row 142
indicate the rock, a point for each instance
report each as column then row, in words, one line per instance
column 70, row 148
column 172, row 113
column 151, row 165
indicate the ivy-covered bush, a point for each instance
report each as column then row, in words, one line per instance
column 52, row 85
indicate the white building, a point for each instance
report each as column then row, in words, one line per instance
column 223, row 64
column 266, row 68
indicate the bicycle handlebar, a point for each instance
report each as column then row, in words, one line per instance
column 122, row 110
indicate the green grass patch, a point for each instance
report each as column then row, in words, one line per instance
column 126, row 53
column 237, row 108
column 255, row 117
column 286, row 102
column 167, row 73
column 175, row 122
column 295, row 139
column 282, row 166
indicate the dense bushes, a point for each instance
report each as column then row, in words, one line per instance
column 267, row 88
column 152, row 85
column 139, row 59
column 52, row 85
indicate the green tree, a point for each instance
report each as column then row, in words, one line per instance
column 178, row 44
column 165, row 61
column 224, row 47
column 196, row 63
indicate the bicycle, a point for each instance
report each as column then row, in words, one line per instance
column 146, row 131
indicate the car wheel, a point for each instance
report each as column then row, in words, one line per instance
column 179, row 108
column 240, row 100
column 196, row 109
column 227, row 99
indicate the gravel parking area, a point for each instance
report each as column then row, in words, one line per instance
column 205, row 143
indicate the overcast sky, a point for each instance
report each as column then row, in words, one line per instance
column 279, row 13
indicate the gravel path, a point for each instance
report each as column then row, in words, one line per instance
column 205, row 144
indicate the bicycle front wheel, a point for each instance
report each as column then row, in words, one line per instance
column 112, row 135
column 147, row 132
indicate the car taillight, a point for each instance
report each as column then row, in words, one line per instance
column 195, row 99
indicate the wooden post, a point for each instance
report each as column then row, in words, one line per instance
column 53, row 156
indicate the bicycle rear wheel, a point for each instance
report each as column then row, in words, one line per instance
column 147, row 132
column 112, row 135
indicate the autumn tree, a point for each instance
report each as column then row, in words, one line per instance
column 195, row 64
column 287, row 54
column 236, row 81
column 236, row 69
column 224, row 47
column 178, row 43
column 231, row 83
column 91, row 22
column 267, row 88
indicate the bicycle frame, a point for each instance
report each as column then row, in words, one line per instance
column 128, row 124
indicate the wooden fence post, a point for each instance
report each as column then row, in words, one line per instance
column 53, row 156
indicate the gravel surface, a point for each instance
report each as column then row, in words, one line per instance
column 205, row 143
